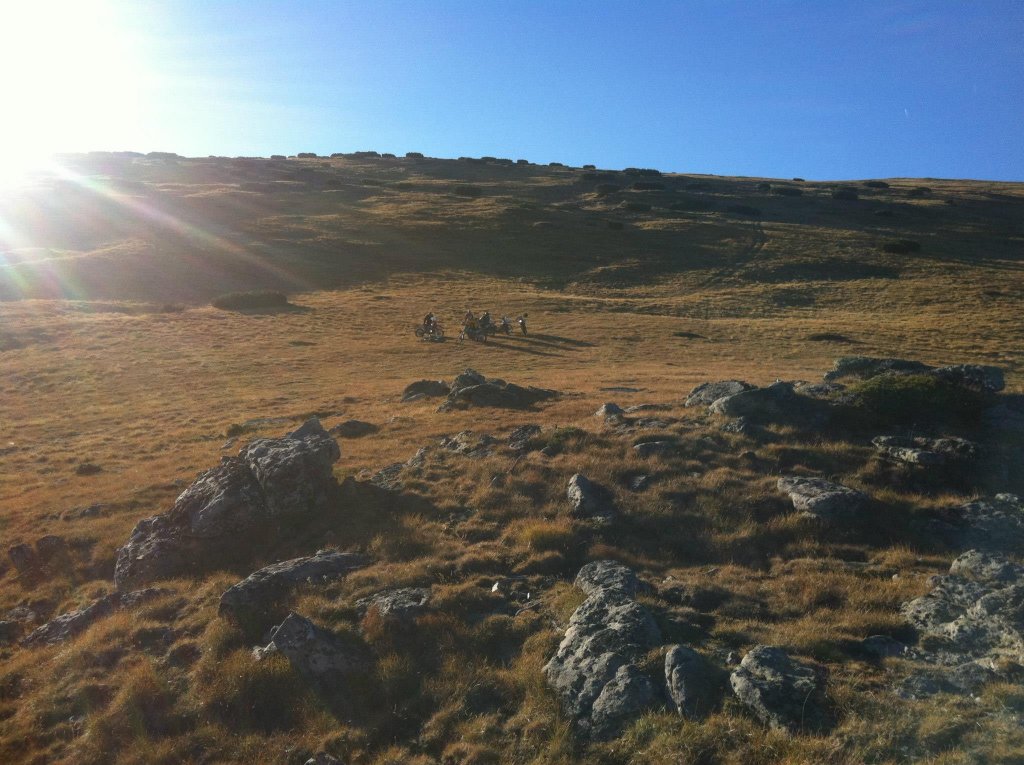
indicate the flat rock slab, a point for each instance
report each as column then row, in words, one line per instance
column 925, row 451
column 260, row 592
column 783, row 693
column 399, row 606
column 993, row 524
column 821, row 499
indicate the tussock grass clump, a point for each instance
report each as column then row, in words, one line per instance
column 254, row 299
column 910, row 399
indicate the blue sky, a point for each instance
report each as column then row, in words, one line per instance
column 782, row 88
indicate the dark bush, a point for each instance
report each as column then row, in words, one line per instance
column 747, row 210
column 876, row 184
column 636, row 206
column 522, row 161
column 590, row 167
column 698, row 186
column 607, row 188
column 371, row 181
column 333, row 183
column 844, row 193
column 162, row 155
column 886, row 213
column 489, row 159
column 616, row 225
column 366, row 154
column 648, row 186
column 337, row 154
column 307, row 155
column 278, row 156
column 919, row 191
column 466, row 190
column 387, row 155
column 240, row 301
column 503, row 161
column 414, row 155
column 787, row 191
column 598, row 176
column 916, row 399
column 555, row 164
column 764, row 186
column 799, row 180
column 901, row 246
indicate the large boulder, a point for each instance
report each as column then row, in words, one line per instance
column 259, row 593
column 270, row 482
column 595, row 672
column 821, row 499
column 778, row 403
column 976, row 377
column 783, row 693
column 925, row 451
column 321, row 657
column 992, row 524
column 708, row 393
column 399, row 606
column 976, row 612
column 353, row 429
column 608, row 576
column 693, row 683
column 473, row 389
column 589, row 499
column 72, row 623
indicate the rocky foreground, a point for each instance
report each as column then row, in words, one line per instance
column 932, row 427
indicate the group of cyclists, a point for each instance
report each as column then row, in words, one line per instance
column 473, row 326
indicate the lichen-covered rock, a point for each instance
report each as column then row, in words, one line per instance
column 708, row 393
column 609, row 409
column 925, row 451
column 776, row 403
column 693, row 683
column 399, row 606
column 473, row 389
column 654, row 448
column 225, row 507
column 72, row 623
column 521, row 438
column 589, row 499
column 608, row 576
column 994, row 524
column 866, row 367
column 821, row 499
column 976, row 377
column 321, row 657
column 594, row 671
column 469, row 444
column 783, row 693
column 353, row 429
column 262, row 590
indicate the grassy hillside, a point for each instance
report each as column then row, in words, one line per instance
column 122, row 383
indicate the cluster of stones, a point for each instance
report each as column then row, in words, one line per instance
column 597, row 673
column 470, row 388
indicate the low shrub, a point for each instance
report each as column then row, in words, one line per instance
column 636, row 206
column 607, row 188
column 845, row 193
column 692, row 205
column 589, row 167
column 876, row 184
column 616, row 225
column 522, row 161
column 764, row 186
column 787, row 191
column 799, row 180
column 555, row 164
column 278, row 156
column 306, row 155
column 337, row 154
column 240, row 301
column 919, row 191
column 387, row 155
column 648, row 186
column 598, row 177
column 915, row 400
column 414, row 155
column 746, row 210
column 901, row 246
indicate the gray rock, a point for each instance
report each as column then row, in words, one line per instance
column 590, row 499
column 694, row 684
column 608, row 576
column 976, row 377
column 778, row 403
column 986, row 568
column 925, row 451
column 962, row 680
column 520, row 438
column 262, row 590
column 821, row 499
column 24, row 559
column 654, row 448
column 594, row 670
column 740, row 425
column 472, row 389
column 469, row 444
column 639, row 483
column 647, row 408
column 865, row 367
column 783, row 693
column 73, row 623
column 708, row 393
column 321, row 657
column 425, row 389
column 400, row 606
column 609, row 410
column 353, row 429
column 467, row 379
column 215, row 517
column 993, row 524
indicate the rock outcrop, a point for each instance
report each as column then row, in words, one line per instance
column 595, row 670
column 975, row 377
column 693, row 683
column 821, row 499
column 708, row 393
column 258, row 594
column 608, row 576
column 925, row 451
column 425, row 389
column 990, row 524
column 473, row 389
column 399, row 606
column 776, row 403
column 68, row 625
column 782, row 693
column 270, row 481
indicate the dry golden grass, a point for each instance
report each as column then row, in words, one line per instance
column 148, row 397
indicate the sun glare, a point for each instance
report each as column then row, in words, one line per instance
column 70, row 80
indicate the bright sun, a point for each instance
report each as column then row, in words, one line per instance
column 70, row 80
